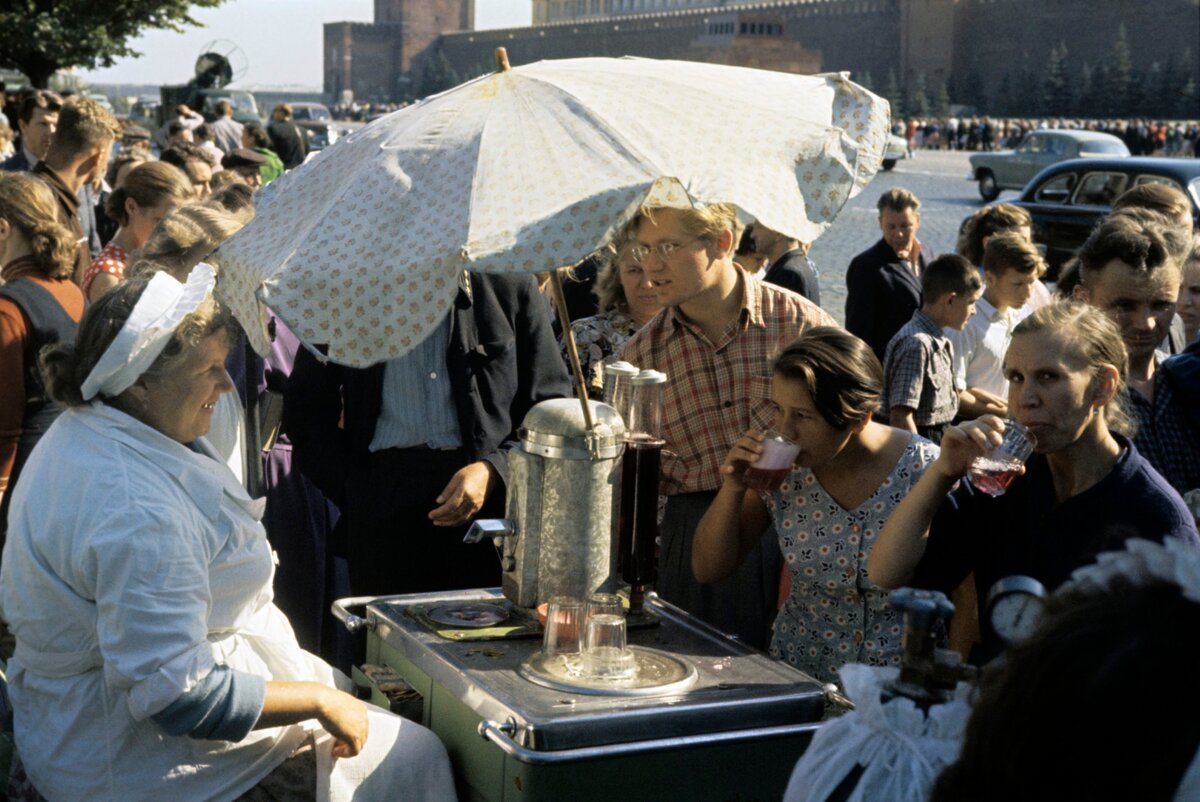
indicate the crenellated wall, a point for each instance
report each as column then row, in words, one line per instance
column 942, row 40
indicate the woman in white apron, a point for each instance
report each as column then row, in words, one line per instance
column 151, row 662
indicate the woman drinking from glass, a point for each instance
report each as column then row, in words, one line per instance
column 847, row 478
column 1085, row 489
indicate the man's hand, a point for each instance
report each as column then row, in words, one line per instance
column 464, row 495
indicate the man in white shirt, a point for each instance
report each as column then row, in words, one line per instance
column 1011, row 267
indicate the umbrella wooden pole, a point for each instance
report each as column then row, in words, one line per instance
column 501, row 60
column 564, row 320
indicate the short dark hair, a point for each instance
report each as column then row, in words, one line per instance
column 897, row 199
column 1137, row 237
column 257, row 134
column 175, row 127
column 33, row 99
column 949, row 273
column 840, row 372
column 180, row 153
column 223, row 107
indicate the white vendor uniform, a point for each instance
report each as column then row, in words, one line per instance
column 133, row 566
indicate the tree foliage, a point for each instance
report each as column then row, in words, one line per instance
column 44, row 36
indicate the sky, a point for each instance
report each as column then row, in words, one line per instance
column 281, row 40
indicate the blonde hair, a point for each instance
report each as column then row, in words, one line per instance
column 706, row 223
column 83, row 124
column 1093, row 338
column 1011, row 251
column 188, row 236
column 988, row 222
column 609, row 292
column 28, row 205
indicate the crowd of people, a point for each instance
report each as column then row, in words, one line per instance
column 165, row 581
column 1176, row 138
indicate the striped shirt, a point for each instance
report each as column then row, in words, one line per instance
column 716, row 391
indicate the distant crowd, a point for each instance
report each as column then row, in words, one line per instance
column 1176, row 138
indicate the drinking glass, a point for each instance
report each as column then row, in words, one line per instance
column 994, row 471
column 767, row 473
column 605, row 653
column 605, row 604
column 564, row 625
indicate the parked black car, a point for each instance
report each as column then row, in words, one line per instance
column 317, row 123
column 1067, row 199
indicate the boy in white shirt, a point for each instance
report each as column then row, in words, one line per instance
column 1011, row 266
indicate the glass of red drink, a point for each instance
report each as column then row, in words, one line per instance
column 767, row 473
column 994, row 471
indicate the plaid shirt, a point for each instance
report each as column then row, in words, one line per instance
column 1163, row 436
column 716, row 391
column 918, row 372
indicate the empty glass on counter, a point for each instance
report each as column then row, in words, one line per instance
column 606, row 654
column 564, row 626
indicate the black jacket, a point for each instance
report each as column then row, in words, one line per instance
column 881, row 294
column 793, row 271
column 502, row 359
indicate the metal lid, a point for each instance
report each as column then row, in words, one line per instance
column 556, row 429
column 620, row 369
column 650, row 377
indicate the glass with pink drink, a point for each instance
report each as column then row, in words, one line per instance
column 767, row 473
column 994, row 471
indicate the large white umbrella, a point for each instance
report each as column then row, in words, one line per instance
column 529, row 169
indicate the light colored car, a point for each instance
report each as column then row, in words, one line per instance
column 894, row 150
column 1012, row 169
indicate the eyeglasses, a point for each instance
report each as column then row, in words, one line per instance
column 663, row 250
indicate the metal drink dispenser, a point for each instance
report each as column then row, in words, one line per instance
column 558, row 537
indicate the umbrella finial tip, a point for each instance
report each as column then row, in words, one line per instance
column 501, row 59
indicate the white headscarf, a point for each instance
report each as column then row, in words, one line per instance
column 164, row 304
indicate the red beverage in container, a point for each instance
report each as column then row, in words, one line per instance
column 637, row 522
column 993, row 471
column 773, row 465
column 993, row 476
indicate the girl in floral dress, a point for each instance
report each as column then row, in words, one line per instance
column 850, row 474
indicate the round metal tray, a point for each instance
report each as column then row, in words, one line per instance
column 469, row 615
column 657, row 674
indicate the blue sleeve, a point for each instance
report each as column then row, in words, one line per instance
column 224, row 706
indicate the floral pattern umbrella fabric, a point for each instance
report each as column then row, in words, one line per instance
column 529, row 169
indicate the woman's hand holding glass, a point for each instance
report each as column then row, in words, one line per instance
column 745, row 452
column 961, row 444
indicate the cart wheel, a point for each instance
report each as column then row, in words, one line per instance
column 889, row 164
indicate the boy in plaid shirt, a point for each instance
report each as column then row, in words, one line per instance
column 918, row 367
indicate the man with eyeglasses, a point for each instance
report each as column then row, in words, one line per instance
column 714, row 339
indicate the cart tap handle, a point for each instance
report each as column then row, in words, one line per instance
column 489, row 527
column 352, row 622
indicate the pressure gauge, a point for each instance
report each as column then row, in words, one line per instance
column 1014, row 607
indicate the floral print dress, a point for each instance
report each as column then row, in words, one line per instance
column 599, row 340
column 834, row 614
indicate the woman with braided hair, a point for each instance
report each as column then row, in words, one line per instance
column 39, row 306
